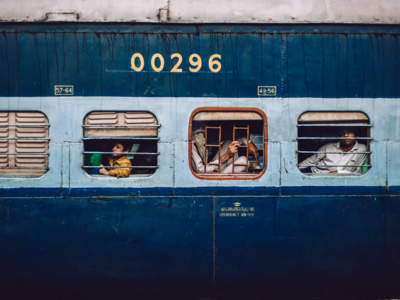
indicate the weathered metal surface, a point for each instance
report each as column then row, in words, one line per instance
column 303, row 61
column 192, row 247
column 281, row 235
column 204, row 11
column 137, row 247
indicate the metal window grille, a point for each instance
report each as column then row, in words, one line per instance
column 24, row 143
column 137, row 127
column 210, row 145
column 213, row 139
column 316, row 129
column 247, row 128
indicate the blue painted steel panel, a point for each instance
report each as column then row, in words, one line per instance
column 200, row 191
column 156, row 247
column 145, row 246
column 326, row 246
column 301, row 61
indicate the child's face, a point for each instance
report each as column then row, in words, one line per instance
column 118, row 148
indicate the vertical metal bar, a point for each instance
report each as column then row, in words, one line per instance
column 247, row 150
column 205, row 151
column 219, row 150
column 233, row 157
column 265, row 146
column 12, row 144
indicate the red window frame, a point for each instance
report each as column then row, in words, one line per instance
column 229, row 109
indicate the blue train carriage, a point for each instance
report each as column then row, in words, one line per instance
column 74, row 84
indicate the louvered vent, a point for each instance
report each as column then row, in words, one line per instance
column 4, row 133
column 121, row 124
column 26, row 137
column 139, row 118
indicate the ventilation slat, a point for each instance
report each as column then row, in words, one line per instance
column 140, row 121
column 30, row 115
column 30, row 160
column 333, row 117
column 30, row 121
column 24, row 146
column 31, row 150
column 30, row 135
column 98, row 113
column 120, row 118
column 31, row 145
column 226, row 116
column 103, row 116
column 30, row 129
column 140, row 118
column 31, row 165
column 103, row 122
column 4, row 133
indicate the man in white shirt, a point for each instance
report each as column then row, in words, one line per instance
column 344, row 153
column 229, row 149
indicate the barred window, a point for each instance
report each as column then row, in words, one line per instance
column 335, row 143
column 215, row 132
column 136, row 131
column 24, row 143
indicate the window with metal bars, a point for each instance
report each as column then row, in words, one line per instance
column 136, row 130
column 228, row 143
column 334, row 143
column 24, row 143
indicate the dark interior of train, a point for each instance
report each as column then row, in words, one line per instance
column 141, row 163
column 326, row 130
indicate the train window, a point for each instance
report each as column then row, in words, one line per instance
column 334, row 143
column 228, row 143
column 24, row 143
column 120, row 144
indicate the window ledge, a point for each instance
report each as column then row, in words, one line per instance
column 332, row 175
column 115, row 177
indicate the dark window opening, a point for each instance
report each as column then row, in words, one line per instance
column 122, row 143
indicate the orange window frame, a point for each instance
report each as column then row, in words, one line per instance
column 229, row 109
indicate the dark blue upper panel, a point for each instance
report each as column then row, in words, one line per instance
column 301, row 61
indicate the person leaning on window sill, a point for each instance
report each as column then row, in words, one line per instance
column 324, row 162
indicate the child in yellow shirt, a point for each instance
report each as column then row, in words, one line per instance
column 118, row 160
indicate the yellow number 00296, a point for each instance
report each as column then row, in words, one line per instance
column 213, row 64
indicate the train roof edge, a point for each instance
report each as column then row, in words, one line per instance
column 205, row 11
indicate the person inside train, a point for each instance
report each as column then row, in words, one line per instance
column 229, row 150
column 95, row 158
column 116, row 160
column 337, row 157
